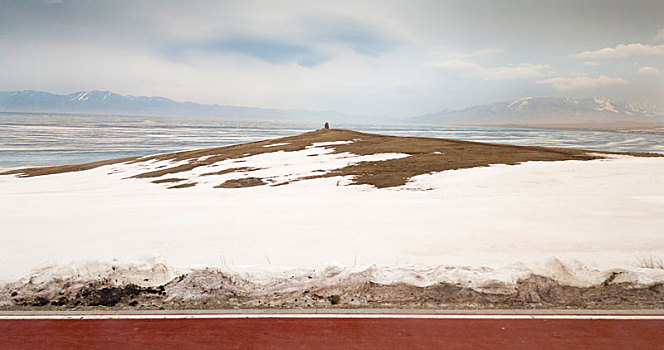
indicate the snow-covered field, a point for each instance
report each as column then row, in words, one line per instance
column 574, row 221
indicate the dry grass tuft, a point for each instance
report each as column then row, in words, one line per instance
column 232, row 170
column 245, row 182
column 184, row 185
column 651, row 262
column 169, row 180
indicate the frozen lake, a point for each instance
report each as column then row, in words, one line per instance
column 50, row 139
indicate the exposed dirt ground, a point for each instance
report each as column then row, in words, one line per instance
column 216, row 290
column 245, row 182
column 28, row 172
column 426, row 155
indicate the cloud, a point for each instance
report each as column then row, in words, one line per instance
column 488, row 51
column 622, row 51
column 591, row 63
column 660, row 34
column 521, row 71
column 447, row 54
column 362, row 38
column 649, row 70
column 581, row 82
column 343, row 55
column 307, row 41
column 270, row 50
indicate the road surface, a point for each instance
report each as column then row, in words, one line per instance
column 330, row 331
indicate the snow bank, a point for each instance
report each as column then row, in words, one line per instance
column 575, row 221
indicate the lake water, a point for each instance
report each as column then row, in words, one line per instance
column 51, row 139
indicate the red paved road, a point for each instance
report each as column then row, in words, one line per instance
column 324, row 333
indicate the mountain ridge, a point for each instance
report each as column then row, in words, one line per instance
column 546, row 110
column 526, row 111
column 103, row 101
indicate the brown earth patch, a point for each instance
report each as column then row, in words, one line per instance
column 169, row 180
column 29, row 172
column 244, row 182
column 172, row 170
column 232, row 170
column 185, row 185
column 430, row 155
column 426, row 155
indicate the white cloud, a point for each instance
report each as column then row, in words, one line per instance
column 660, row 34
column 622, row 51
column 487, row 52
column 521, row 71
column 649, row 70
column 581, row 82
column 448, row 54
column 591, row 63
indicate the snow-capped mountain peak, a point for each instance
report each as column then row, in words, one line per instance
column 100, row 101
column 520, row 103
column 605, row 105
column 548, row 110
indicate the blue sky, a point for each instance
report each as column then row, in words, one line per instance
column 392, row 58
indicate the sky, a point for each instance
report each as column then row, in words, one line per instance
column 381, row 58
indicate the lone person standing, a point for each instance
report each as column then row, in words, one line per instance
column 327, row 125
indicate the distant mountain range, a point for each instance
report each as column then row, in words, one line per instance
column 546, row 111
column 528, row 111
column 107, row 102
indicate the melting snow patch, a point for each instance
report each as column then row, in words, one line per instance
column 277, row 144
column 330, row 143
column 277, row 167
